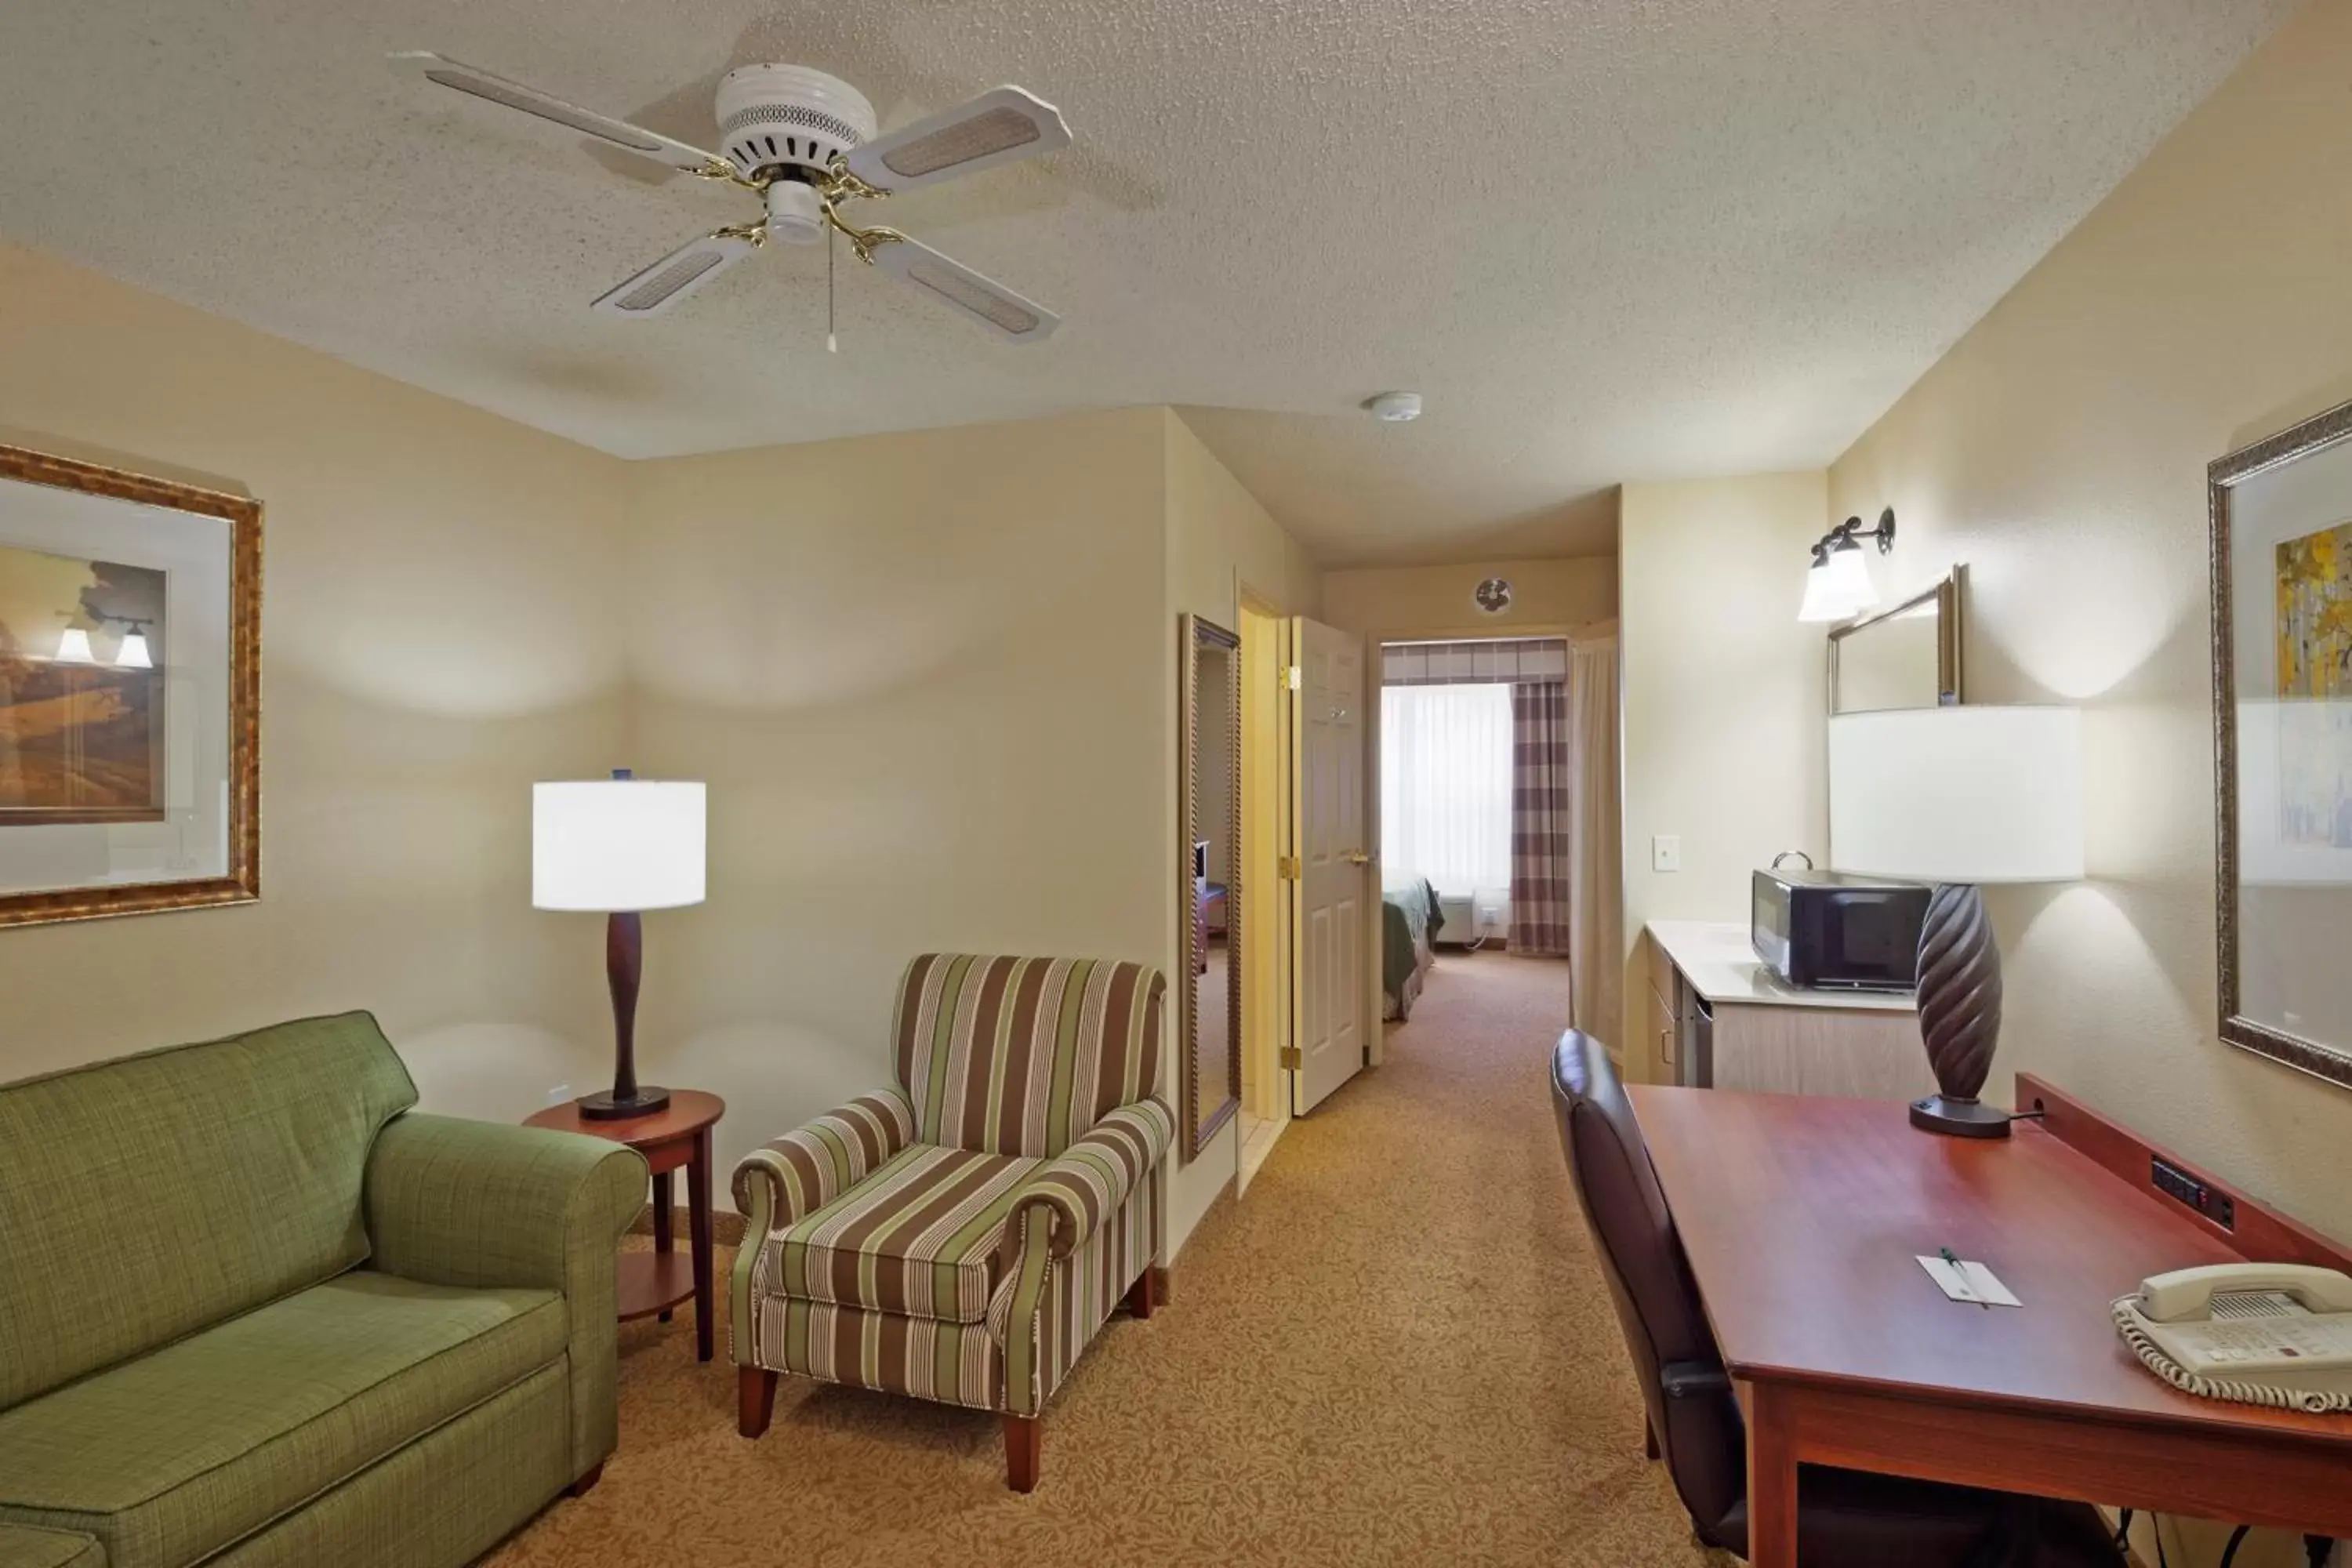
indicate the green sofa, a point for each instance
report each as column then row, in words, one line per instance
column 255, row 1311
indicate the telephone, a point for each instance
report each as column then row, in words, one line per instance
column 2260, row 1333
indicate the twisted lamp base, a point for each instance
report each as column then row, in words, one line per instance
column 1959, row 1014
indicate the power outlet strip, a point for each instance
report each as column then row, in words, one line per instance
column 2179, row 1185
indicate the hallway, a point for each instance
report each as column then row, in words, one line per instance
column 1396, row 1351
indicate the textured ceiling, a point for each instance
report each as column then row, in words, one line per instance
column 1609, row 239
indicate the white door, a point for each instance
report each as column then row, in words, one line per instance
column 1333, row 862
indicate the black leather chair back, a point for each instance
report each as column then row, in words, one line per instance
column 1699, row 1432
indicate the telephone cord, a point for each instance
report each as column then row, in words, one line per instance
column 2164, row 1366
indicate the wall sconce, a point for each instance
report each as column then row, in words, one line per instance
column 1838, row 586
column 133, row 653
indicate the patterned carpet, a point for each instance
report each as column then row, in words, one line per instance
column 1396, row 1351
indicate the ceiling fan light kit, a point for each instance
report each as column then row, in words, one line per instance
column 805, row 143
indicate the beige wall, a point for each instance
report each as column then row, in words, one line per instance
column 1221, row 542
column 931, row 680
column 439, row 632
column 2058, row 449
column 1723, row 692
column 1436, row 601
column 929, row 677
column 922, row 676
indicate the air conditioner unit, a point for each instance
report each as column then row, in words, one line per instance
column 1471, row 919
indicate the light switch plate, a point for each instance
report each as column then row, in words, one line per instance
column 1665, row 852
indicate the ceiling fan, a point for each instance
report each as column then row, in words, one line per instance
column 804, row 143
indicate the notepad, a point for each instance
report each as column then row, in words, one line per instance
column 1970, row 1282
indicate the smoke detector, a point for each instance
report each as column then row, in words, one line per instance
column 1396, row 408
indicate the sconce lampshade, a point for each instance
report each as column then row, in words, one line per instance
column 616, row 845
column 73, row 647
column 133, row 653
column 1838, row 587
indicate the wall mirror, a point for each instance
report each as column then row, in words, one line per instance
column 1209, row 730
column 1907, row 656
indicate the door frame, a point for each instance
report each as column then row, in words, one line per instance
column 1269, row 765
column 1374, row 642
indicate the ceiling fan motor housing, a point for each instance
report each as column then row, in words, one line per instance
column 782, row 118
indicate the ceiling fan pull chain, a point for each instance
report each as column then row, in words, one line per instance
column 831, row 344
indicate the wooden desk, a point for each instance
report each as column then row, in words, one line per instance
column 1801, row 1217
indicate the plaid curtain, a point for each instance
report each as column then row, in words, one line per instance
column 1540, row 784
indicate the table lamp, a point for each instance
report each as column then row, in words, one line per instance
column 1958, row 797
column 618, row 847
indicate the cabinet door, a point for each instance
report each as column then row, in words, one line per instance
column 1845, row 1051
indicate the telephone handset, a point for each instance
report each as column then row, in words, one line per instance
column 2260, row 1333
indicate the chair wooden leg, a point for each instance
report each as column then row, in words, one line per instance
column 1024, row 1444
column 1149, row 1293
column 755, row 1399
column 1649, row 1440
column 580, row 1488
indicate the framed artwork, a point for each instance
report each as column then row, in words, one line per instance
column 129, row 692
column 2281, row 514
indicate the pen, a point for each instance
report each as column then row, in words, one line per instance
column 1960, row 1269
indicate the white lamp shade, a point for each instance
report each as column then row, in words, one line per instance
column 1958, row 794
column 73, row 647
column 1838, row 587
column 133, row 653
column 616, row 845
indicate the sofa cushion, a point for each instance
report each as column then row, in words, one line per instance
column 920, row 1238
column 23, row 1546
column 145, row 1198
column 170, row 1457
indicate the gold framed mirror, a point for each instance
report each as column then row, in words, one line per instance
column 1208, row 849
column 1907, row 656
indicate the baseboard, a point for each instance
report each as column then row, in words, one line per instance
column 725, row 1224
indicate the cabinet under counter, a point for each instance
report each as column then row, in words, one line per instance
column 1719, row 1018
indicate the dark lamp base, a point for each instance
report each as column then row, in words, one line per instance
column 605, row 1106
column 1960, row 1117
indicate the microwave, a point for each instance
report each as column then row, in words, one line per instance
column 1834, row 931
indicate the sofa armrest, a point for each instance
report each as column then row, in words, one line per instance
column 799, row 1173
column 483, row 1205
column 452, row 1202
column 1058, row 1209
column 1065, row 1199
column 793, row 1176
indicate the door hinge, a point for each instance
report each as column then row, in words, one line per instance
column 1286, row 867
column 1293, row 679
column 1289, row 1054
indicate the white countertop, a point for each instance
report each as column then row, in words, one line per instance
column 1721, row 965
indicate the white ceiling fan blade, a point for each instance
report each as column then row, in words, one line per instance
column 489, row 86
column 966, row 292
column 676, row 276
column 997, row 127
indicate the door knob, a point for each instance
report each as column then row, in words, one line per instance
column 1358, row 857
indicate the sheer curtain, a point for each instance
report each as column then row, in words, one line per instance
column 1445, row 786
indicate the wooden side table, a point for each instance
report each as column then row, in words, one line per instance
column 678, row 1134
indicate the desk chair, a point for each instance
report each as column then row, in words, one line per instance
column 1846, row 1519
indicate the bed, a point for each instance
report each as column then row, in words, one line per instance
column 1410, row 922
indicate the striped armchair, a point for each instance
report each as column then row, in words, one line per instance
column 959, row 1235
